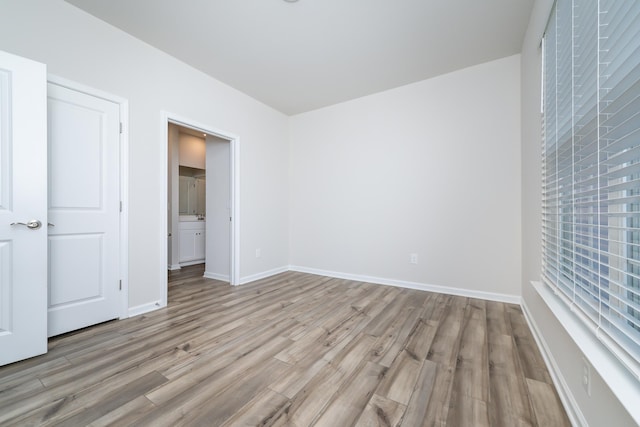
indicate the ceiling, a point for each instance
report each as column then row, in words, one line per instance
column 305, row 55
column 189, row 131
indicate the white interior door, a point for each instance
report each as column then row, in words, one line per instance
column 23, row 196
column 84, row 208
column 218, row 247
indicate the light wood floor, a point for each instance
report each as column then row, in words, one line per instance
column 295, row 349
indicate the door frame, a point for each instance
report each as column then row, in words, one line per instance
column 234, row 178
column 124, row 179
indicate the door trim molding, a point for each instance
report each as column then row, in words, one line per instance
column 234, row 141
column 124, row 178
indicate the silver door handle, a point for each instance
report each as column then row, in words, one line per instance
column 34, row 224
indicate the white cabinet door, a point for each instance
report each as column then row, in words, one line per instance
column 187, row 245
column 23, row 198
column 199, row 244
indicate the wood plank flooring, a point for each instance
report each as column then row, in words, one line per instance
column 291, row 350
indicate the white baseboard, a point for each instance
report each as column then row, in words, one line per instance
column 263, row 275
column 216, row 276
column 512, row 299
column 173, row 267
column 144, row 308
column 188, row 263
column 564, row 392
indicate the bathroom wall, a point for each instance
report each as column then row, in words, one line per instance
column 173, row 193
column 192, row 151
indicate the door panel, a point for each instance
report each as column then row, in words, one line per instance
column 84, row 206
column 75, row 152
column 199, row 245
column 23, row 195
column 83, row 283
column 187, row 245
column 219, row 172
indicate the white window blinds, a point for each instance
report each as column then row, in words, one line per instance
column 591, row 164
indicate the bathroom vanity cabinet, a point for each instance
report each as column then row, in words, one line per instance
column 192, row 242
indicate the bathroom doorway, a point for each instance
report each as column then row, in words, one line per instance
column 201, row 187
column 187, row 195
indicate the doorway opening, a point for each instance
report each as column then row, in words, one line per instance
column 201, row 196
column 187, row 197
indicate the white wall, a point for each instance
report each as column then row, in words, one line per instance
column 192, row 151
column 602, row 408
column 431, row 168
column 81, row 48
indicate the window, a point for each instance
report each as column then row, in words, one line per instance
column 591, row 165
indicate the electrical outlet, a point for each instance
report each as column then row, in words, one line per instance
column 413, row 258
column 258, row 253
column 586, row 376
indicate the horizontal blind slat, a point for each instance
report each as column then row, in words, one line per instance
column 591, row 163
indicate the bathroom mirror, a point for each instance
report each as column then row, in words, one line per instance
column 192, row 191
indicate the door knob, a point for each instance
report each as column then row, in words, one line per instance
column 34, row 224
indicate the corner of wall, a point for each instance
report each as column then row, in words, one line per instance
column 570, row 405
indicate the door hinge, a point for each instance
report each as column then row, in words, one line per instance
column 120, row 206
column 120, row 127
column 229, row 218
column 120, row 284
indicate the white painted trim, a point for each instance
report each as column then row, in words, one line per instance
column 234, row 280
column 70, row 84
column 216, row 276
column 568, row 401
column 234, row 141
column 491, row 296
column 263, row 275
column 145, row 308
column 164, row 196
column 124, row 215
column 124, row 179
column 188, row 263
column 174, row 267
column 622, row 382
